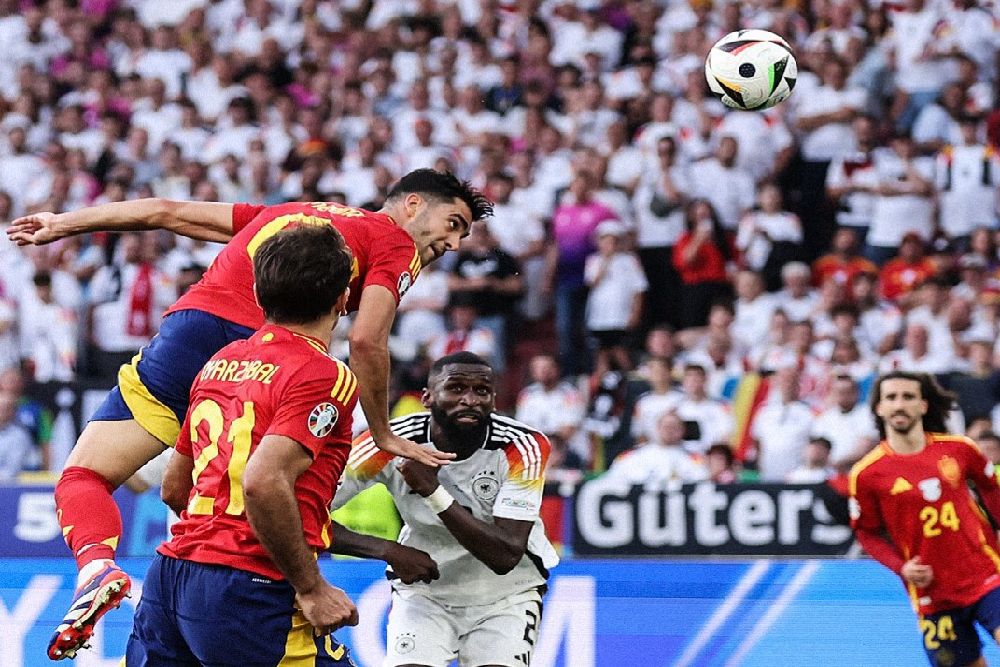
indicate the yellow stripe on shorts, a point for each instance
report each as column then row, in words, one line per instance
column 300, row 649
column 156, row 418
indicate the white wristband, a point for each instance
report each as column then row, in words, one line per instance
column 440, row 500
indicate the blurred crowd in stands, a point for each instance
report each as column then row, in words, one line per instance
column 698, row 292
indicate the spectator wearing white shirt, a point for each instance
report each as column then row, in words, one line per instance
column 520, row 233
column 464, row 334
column 851, row 179
column 780, row 429
column 918, row 57
column 967, row 178
column 823, row 117
column 933, row 297
column 661, row 460
column 165, row 61
column 573, row 39
column 127, row 300
column 614, row 305
column 591, row 119
column 553, row 405
column 797, row 298
column 625, row 160
column 766, row 146
column 421, row 310
column 880, row 320
column 211, row 89
column 659, row 211
column 816, row 466
column 661, row 398
column 18, row 167
column 49, row 333
column 937, row 124
column 903, row 198
column 753, row 308
column 155, row 115
column 712, row 418
column 847, row 424
column 916, row 355
column 737, row 197
column 769, row 237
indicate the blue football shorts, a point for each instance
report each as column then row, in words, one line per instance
column 950, row 636
column 154, row 388
column 193, row 614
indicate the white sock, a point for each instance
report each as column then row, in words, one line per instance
column 92, row 568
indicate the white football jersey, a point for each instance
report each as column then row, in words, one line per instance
column 504, row 478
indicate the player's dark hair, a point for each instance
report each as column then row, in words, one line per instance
column 301, row 272
column 463, row 357
column 939, row 401
column 442, row 186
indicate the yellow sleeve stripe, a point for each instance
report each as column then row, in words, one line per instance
column 340, row 381
column 347, row 383
column 869, row 458
column 416, row 264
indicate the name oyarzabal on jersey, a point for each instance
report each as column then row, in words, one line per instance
column 503, row 478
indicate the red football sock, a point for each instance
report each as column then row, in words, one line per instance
column 91, row 522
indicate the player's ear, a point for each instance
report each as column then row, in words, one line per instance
column 341, row 305
column 411, row 203
column 425, row 398
column 255, row 297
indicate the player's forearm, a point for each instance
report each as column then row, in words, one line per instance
column 348, row 543
column 880, row 549
column 491, row 545
column 370, row 362
column 206, row 221
column 274, row 516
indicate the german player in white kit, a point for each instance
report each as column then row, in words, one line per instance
column 477, row 517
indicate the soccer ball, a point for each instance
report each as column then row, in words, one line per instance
column 751, row 69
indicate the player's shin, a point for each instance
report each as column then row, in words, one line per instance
column 88, row 515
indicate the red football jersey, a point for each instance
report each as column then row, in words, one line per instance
column 274, row 383
column 384, row 254
column 923, row 502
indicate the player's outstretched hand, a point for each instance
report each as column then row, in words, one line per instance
column 918, row 574
column 423, row 479
column 411, row 450
column 327, row 608
column 34, row 229
column 411, row 565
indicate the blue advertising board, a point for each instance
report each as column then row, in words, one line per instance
column 28, row 525
column 760, row 613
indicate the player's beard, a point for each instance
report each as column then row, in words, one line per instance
column 461, row 435
column 903, row 430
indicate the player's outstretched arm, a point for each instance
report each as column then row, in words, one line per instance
column 271, row 507
column 369, row 340
column 205, row 221
column 409, row 564
column 499, row 545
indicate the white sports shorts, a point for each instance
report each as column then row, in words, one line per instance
column 425, row 632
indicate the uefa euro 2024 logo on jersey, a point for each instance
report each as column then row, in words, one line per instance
column 322, row 419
